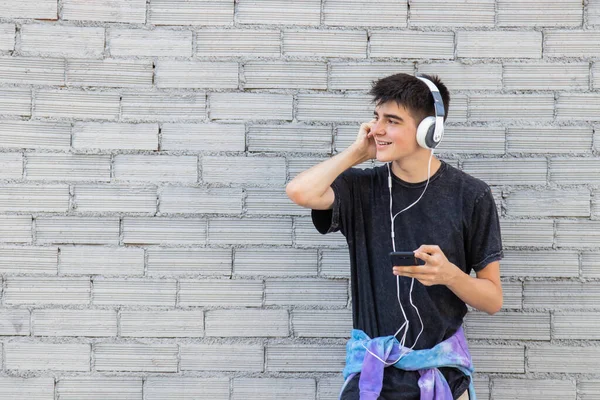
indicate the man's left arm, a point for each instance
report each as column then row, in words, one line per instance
column 483, row 292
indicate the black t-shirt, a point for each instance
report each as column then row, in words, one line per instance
column 457, row 213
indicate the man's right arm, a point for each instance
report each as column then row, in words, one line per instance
column 312, row 188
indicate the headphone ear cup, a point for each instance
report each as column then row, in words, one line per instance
column 425, row 132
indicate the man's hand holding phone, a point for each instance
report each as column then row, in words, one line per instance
column 432, row 267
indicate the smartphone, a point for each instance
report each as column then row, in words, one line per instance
column 404, row 259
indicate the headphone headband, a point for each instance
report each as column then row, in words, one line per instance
column 440, row 112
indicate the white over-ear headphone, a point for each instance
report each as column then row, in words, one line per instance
column 431, row 130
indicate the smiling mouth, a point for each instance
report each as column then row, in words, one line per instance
column 380, row 143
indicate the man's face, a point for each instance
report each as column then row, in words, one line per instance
column 395, row 132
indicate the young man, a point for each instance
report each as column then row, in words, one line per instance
column 418, row 203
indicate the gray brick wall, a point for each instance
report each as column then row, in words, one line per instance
column 148, row 250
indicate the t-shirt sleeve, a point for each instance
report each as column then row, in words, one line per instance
column 336, row 219
column 484, row 244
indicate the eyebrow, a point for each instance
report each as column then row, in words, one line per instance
column 394, row 116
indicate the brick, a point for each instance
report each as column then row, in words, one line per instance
column 77, row 230
column 279, row 12
column 458, row 76
column 335, row 263
column 531, row 233
column 576, row 325
column 35, row 135
column 540, row 13
column 521, row 389
column 62, row 41
column 162, row 324
column 109, row 73
column 412, row 44
column 203, row 137
column 508, row 325
column 307, row 236
column 548, row 139
column 266, row 201
column 99, row 388
column 459, row 109
column 360, row 76
column 193, row 74
column 253, row 106
column 50, row 356
column 292, row 138
column 15, row 228
column 595, row 75
column 203, row 262
column 29, row 260
column 30, row 9
column 510, row 107
column 115, row 198
column 285, row 75
column 306, row 292
column 499, row 171
column 90, row 323
column 195, row 12
column 156, row 388
column 11, row 165
column 15, row 102
column 163, row 106
column 170, row 231
column 493, row 44
column 362, row 13
column 47, row 290
column 588, row 389
column 149, row 43
column 244, row 323
column 255, row 170
column 590, row 265
column 306, row 358
column 221, row 292
column 222, row 357
column 575, row 171
column 298, row 165
column 498, row 358
column 238, row 43
column 128, row 11
column 7, row 37
column 76, row 104
column 275, row 262
column 549, row 203
column 452, row 13
column 561, row 295
column 273, row 388
column 176, row 199
column 28, row 388
column 473, row 140
column 313, row 107
column 249, row 231
column 545, row 76
column 14, row 322
column 577, row 106
column 513, row 295
column 140, row 167
column 570, row 360
column 325, row 43
column 134, row 292
column 109, row 136
column 326, row 323
column 67, row 167
column 136, row 357
column 578, row 234
column 95, row 260
column 46, row 198
column 329, row 389
column 32, row 71
column 571, row 43
column 529, row 263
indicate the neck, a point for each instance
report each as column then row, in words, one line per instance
column 414, row 169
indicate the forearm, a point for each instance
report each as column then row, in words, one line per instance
column 479, row 293
column 314, row 182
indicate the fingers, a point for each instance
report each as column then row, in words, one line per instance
column 429, row 249
column 423, row 256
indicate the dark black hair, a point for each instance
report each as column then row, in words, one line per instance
column 410, row 92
